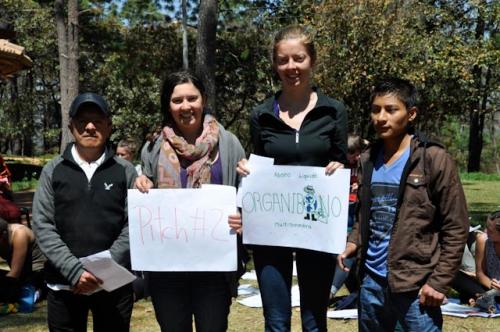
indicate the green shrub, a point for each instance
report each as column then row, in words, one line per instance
column 478, row 176
column 24, row 184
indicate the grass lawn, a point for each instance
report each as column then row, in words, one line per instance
column 241, row 319
column 482, row 198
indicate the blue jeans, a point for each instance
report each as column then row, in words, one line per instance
column 380, row 310
column 274, row 273
column 340, row 275
column 178, row 296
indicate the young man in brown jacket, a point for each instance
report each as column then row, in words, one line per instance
column 412, row 220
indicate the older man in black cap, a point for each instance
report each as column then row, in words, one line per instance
column 79, row 209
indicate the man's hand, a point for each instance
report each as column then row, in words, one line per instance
column 87, row 283
column 350, row 250
column 332, row 167
column 430, row 297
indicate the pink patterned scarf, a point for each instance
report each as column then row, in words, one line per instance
column 196, row 158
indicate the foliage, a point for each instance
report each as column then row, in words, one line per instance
column 28, row 103
column 129, row 65
column 363, row 41
column 127, row 47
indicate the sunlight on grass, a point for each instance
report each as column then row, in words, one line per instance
column 483, row 197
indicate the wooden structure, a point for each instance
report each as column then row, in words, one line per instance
column 12, row 57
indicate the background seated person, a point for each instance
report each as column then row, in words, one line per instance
column 465, row 282
column 19, row 249
column 127, row 149
column 488, row 254
column 8, row 209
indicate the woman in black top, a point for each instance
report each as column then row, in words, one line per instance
column 298, row 126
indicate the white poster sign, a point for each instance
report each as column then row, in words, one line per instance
column 182, row 229
column 296, row 206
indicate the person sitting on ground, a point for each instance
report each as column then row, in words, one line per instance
column 488, row 255
column 355, row 146
column 127, row 149
column 8, row 209
column 18, row 247
column 465, row 281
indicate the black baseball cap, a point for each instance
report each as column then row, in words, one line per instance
column 91, row 98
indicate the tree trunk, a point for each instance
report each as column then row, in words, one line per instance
column 62, row 45
column 67, row 40
column 476, row 115
column 476, row 124
column 16, row 142
column 73, row 50
column 205, row 48
column 185, row 46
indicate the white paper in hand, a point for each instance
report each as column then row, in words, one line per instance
column 254, row 162
column 112, row 274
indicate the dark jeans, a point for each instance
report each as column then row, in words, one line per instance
column 380, row 310
column 177, row 296
column 140, row 285
column 10, row 288
column 110, row 311
column 274, row 272
column 467, row 287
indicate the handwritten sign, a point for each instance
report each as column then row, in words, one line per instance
column 182, row 229
column 296, row 206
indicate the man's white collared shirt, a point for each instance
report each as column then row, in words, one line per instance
column 88, row 168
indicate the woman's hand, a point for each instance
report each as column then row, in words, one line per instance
column 242, row 168
column 234, row 221
column 332, row 167
column 495, row 284
column 143, row 183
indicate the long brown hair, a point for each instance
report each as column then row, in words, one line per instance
column 302, row 33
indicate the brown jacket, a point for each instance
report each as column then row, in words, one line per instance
column 431, row 223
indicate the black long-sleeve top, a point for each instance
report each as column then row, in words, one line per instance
column 321, row 138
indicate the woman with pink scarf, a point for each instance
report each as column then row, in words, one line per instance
column 193, row 149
